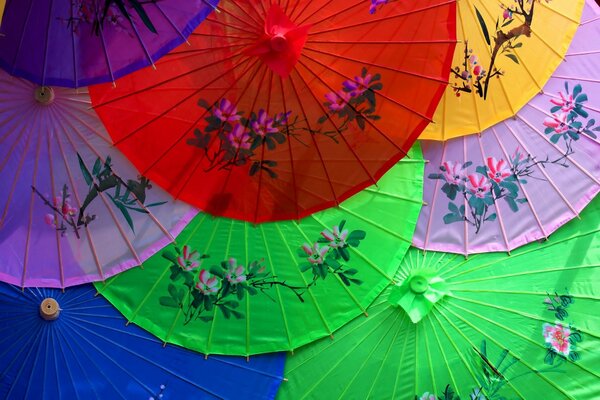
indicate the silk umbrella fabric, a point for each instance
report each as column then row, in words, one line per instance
column 523, row 178
column 80, row 42
column 281, row 109
column 72, row 208
column 72, row 344
column 490, row 327
column 508, row 51
column 231, row 287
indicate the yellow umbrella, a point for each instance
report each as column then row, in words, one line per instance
column 508, row 50
column 2, row 4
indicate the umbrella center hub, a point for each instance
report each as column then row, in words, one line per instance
column 44, row 95
column 49, row 309
column 278, row 42
column 419, row 284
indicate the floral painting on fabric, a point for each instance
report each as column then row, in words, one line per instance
column 561, row 338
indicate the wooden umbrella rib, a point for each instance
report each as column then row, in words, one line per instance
column 170, row 21
column 21, row 36
column 433, row 201
column 56, row 233
column 141, row 42
column 380, row 20
column 104, row 49
column 443, row 353
column 228, row 25
column 245, row 11
column 46, row 40
column 319, row 11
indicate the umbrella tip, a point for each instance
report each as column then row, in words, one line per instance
column 206, row 356
column 49, row 309
column 247, row 358
column 285, row 380
column 425, row 203
column 114, row 84
column 331, row 336
column 366, row 313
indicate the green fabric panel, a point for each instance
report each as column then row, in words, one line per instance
column 496, row 298
column 276, row 319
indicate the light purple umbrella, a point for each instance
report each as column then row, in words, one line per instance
column 76, row 43
column 523, row 178
column 72, row 208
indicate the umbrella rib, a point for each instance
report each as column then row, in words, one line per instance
column 553, row 96
column 368, row 121
column 314, row 142
column 225, row 11
column 56, row 234
column 76, row 195
column 30, row 348
column 443, row 353
column 141, row 42
column 433, row 201
column 21, row 36
column 349, row 382
column 405, row 14
column 247, row 297
column 170, row 21
column 466, row 204
column 104, row 50
column 289, row 143
column 523, row 292
column 523, row 314
column 378, row 226
column 498, row 212
column 529, row 203
column 383, row 42
column 277, row 288
column 394, row 196
column 403, row 353
column 387, row 353
column 245, row 11
column 46, row 39
column 430, row 360
column 31, row 204
column 229, row 25
column 348, row 146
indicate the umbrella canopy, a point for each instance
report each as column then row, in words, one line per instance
column 277, row 111
column 490, row 327
column 66, row 193
column 523, row 178
column 80, row 42
column 230, row 287
column 72, row 344
column 2, row 5
column 508, row 51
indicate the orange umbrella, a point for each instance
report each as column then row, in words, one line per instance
column 280, row 109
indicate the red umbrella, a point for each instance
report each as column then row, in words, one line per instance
column 280, row 109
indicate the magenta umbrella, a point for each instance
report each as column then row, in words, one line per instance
column 82, row 42
column 72, row 208
column 525, row 177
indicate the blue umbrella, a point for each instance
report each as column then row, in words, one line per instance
column 74, row 345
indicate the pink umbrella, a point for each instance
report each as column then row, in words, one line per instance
column 525, row 177
column 72, row 208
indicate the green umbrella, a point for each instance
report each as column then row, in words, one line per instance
column 493, row 326
column 229, row 287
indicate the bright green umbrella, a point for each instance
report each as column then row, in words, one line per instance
column 230, row 287
column 493, row 326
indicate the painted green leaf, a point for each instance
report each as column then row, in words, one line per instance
column 484, row 28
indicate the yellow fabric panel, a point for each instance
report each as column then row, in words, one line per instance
column 2, row 4
column 523, row 62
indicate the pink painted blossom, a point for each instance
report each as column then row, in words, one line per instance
column 428, row 396
column 238, row 138
column 477, row 70
column 358, row 86
column 335, row 237
column 51, row 220
column 65, row 207
column 454, row 172
column 507, row 14
column 189, row 259
column 517, row 156
column 235, row 272
column 565, row 102
column 316, row 254
column 558, row 122
column 207, row 283
column 263, row 125
column 478, row 185
column 338, row 100
column 558, row 337
column 498, row 170
column 226, row 111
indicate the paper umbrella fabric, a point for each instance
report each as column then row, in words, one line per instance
column 282, row 109
column 88, row 352
column 525, row 177
column 72, row 208
column 507, row 52
column 229, row 287
column 491, row 327
column 75, row 43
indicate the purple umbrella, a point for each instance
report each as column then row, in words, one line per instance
column 82, row 42
column 72, row 208
column 525, row 177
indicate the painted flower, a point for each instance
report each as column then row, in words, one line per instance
column 453, row 172
column 189, row 259
column 558, row 337
column 565, row 102
column 558, row 122
column 235, row 273
column 316, row 254
column 282, row 118
column 51, row 220
column 517, row 156
column 263, row 125
column 226, row 111
column 335, row 237
column 358, row 86
column 507, row 14
column 473, row 59
column 498, row 170
column 337, row 100
column 375, row 4
column 207, row 283
column 477, row 70
column 428, row 396
column 478, row 185
column 239, row 138
column 65, row 207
